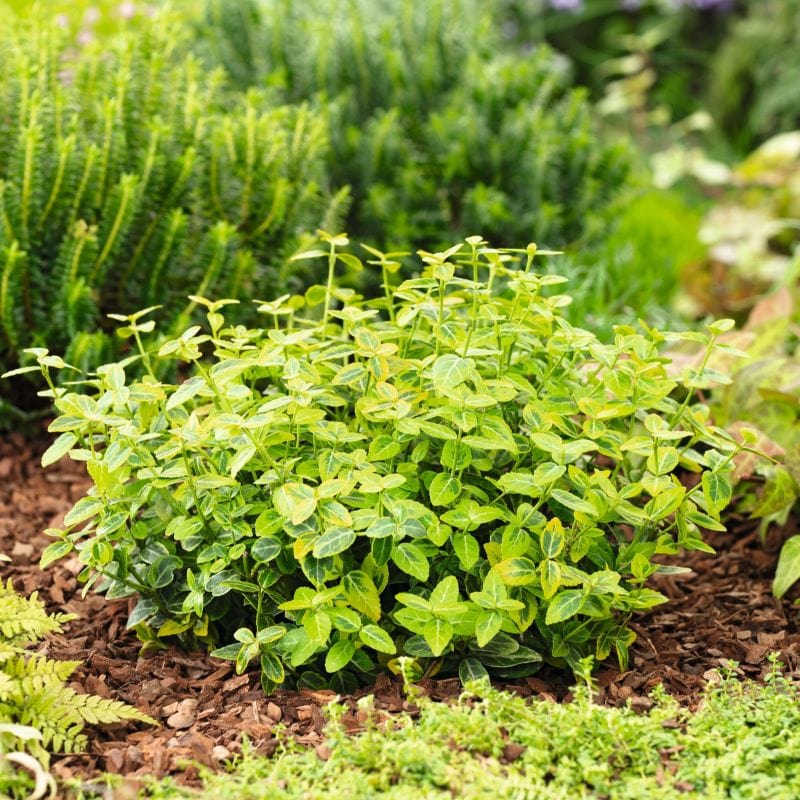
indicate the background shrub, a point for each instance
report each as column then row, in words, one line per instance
column 453, row 473
column 753, row 79
column 128, row 178
column 440, row 126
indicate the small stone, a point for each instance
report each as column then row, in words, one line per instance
column 274, row 712
column 185, row 716
column 221, row 753
column 323, row 752
column 512, row 751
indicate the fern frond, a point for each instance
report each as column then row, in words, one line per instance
column 39, row 667
column 32, row 686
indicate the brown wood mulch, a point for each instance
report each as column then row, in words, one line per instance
column 724, row 610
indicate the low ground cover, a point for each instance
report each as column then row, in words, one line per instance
column 741, row 742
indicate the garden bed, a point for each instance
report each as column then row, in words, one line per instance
column 724, row 610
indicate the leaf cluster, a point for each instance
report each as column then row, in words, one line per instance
column 761, row 404
column 451, row 473
column 751, row 84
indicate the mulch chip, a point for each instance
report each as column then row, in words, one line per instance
column 724, row 610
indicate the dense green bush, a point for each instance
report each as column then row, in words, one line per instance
column 753, row 81
column 438, row 124
column 452, row 472
column 674, row 39
column 128, row 178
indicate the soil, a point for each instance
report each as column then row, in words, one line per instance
column 724, row 610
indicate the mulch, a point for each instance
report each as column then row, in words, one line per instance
column 724, row 610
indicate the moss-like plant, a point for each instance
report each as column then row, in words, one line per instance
column 452, row 472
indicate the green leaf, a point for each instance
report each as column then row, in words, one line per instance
column 377, row 639
column 449, row 371
column 382, row 527
column 55, row 551
column 272, row 668
column 266, row 549
column 573, row 502
column 362, row 594
column 487, row 627
column 333, row 542
column 664, row 504
column 411, row 560
column 445, row 594
column 60, row 447
column 517, row 571
column 85, row 508
column 318, row 626
column 186, row 391
column 467, row 549
column 345, row 620
column 470, row 670
column 339, row 655
column 788, row 569
column 564, row 605
column 717, row 491
column 444, row 489
column 548, row 473
column 437, row 634
column 229, row 652
column 552, row 538
column 550, row 576
column 520, row 483
column 295, row 501
column 162, row 571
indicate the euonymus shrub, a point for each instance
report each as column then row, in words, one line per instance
column 452, row 473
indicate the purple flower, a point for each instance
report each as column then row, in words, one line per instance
column 573, row 6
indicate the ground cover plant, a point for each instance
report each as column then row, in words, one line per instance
column 128, row 178
column 452, row 472
column 434, row 466
column 741, row 742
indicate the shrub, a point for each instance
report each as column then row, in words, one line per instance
column 128, row 178
column 452, row 472
column 38, row 713
column 752, row 83
column 438, row 125
column 673, row 40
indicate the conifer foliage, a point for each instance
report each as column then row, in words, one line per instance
column 440, row 125
column 128, row 178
